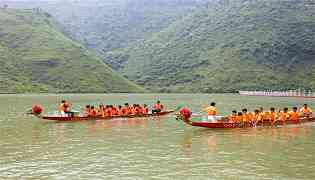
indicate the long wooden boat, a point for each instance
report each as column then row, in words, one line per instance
column 82, row 118
column 223, row 124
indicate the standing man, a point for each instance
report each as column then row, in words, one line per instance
column 212, row 112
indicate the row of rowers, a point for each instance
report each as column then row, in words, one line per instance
column 272, row 115
column 261, row 115
column 125, row 110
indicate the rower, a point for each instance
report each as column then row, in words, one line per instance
column 233, row 116
column 284, row 115
column 126, row 109
column 158, row 107
column 306, row 111
column 108, row 111
column 93, row 112
column 87, row 110
column 212, row 112
column 114, row 110
column 120, row 110
column 294, row 114
column 145, row 109
column 257, row 117
column 239, row 118
column 62, row 108
column 273, row 115
column 247, row 117
column 139, row 109
column 134, row 109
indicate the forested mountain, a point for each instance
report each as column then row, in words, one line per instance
column 228, row 46
column 106, row 25
column 197, row 45
column 36, row 57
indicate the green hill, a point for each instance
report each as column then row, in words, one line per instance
column 228, row 46
column 36, row 57
column 111, row 24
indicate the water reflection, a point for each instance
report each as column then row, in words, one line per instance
column 257, row 138
column 211, row 141
column 186, row 143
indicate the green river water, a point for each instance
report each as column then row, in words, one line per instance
column 151, row 148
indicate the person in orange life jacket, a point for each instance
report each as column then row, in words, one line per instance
column 257, row 117
column 306, row 111
column 87, row 110
column 139, row 109
column 126, row 109
column 247, row 117
column 211, row 111
column 100, row 110
column 233, row 116
column 158, row 107
column 120, row 110
column 114, row 110
column 273, row 115
column 239, row 118
column 284, row 115
column 93, row 112
column 62, row 108
column 108, row 111
column 294, row 114
column 133, row 109
column 145, row 109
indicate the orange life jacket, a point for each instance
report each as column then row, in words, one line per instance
column 306, row 110
column 62, row 107
column 139, row 110
column 108, row 112
column 114, row 111
column 273, row 116
column 266, row 116
column 126, row 110
column 257, row 117
column 145, row 110
column 133, row 110
column 294, row 116
column 66, row 106
column 158, row 107
column 248, row 117
column 93, row 113
column 120, row 112
column 239, row 118
column 284, row 116
column 211, row 111
column 233, row 118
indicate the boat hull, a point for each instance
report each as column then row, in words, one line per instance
column 82, row 118
column 231, row 125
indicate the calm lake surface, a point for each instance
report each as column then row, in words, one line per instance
column 150, row 148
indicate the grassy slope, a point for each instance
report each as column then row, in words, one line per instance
column 111, row 24
column 241, row 45
column 35, row 57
